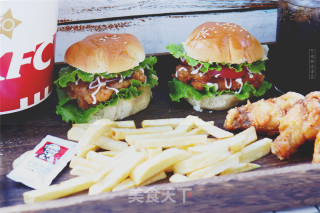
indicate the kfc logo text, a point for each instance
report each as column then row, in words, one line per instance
column 12, row 63
column 26, row 75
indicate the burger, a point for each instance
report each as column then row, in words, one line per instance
column 221, row 64
column 108, row 77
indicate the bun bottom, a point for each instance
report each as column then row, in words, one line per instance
column 124, row 108
column 221, row 102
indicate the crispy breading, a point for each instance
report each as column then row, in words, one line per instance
column 264, row 115
column 300, row 124
column 316, row 153
column 83, row 94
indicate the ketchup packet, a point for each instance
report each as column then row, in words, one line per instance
column 47, row 160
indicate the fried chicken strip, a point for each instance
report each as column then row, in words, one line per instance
column 264, row 115
column 83, row 94
column 300, row 124
column 316, row 153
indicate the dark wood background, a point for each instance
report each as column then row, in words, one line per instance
column 276, row 185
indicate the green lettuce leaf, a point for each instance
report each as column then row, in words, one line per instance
column 69, row 74
column 178, row 51
column 180, row 90
column 69, row 109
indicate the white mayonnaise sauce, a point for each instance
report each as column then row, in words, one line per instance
column 226, row 84
column 215, row 85
column 181, row 68
column 195, row 71
column 250, row 73
column 114, row 89
column 98, row 84
column 183, row 59
column 77, row 81
column 239, row 80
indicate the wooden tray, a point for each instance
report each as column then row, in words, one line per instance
column 276, row 185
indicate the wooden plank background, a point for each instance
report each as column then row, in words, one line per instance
column 158, row 23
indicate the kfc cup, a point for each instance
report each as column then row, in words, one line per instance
column 27, row 39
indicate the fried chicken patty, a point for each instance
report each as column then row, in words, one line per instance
column 82, row 92
column 183, row 73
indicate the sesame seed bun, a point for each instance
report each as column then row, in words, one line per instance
column 105, row 52
column 224, row 43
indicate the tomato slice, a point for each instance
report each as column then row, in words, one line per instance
column 226, row 72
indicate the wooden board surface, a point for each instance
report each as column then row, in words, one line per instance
column 83, row 10
column 158, row 23
column 156, row 32
column 276, row 185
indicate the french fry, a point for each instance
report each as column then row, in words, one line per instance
column 78, row 161
column 160, row 176
column 75, row 133
column 196, row 131
column 94, row 131
column 234, row 143
column 151, row 152
column 169, row 169
column 116, row 160
column 215, row 169
column 174, row 122
column 255, row 150
column 210, row 140
column 217, row 145
column 242, row 139
column 141, row 160
column 21, row 158
column 130, row 139
column 62, row 189
column 82, row 152
column 199, row 131
column 98, row 159
column 119, row 124
column 109, row 153
column 83, row 126
column 241, row 167
column 211, row 129
column 185, row 126
column 110, row 144
column 200, row 161
column 157, row 164
column 125, row 124
column 117, row 174
column 175, row 178
column 121, row 133
column 81, row 171
column 126, row 184
column 171, row 142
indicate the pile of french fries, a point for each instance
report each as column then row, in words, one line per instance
column 114, row 156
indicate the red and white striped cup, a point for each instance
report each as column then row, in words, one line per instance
column 27, row 39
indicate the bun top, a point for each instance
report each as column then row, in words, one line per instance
column 105, row 52
column 223, row 42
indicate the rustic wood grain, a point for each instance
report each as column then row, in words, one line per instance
column 276, row 185
column 156, row 32
column 275, row 189
column 80, row 10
